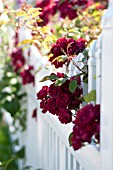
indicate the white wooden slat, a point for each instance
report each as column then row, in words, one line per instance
column 69, row 160
column 49, row 153
column 77, row 165
column 66, row 157
column 52, row 149
column 98, row 69
column 81, row 168
column 45, row 146
column 107, row 90
column 56, row 152
column 92, row 67
column 61, row 155
column 72, row 162
column 40, row 139
column 47, row 149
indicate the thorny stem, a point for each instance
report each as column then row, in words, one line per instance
column 78, row 67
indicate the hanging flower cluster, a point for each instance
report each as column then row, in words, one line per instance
column 58, row 100
column 27, row 76
column 86, row 125
column 64, row 96
column 65, row 8
column 19, row 64
column 64, row 49
column 18, row 60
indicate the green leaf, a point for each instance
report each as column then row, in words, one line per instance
column 60, row 81
column 21, row 96
column 90, row 96
column 84, row 59
column 81, row 99
column 85, row 53
column 95, row 77
column 12, row 106
column 60, row 58
column 85, row 78
column 78, row 75
column 72, row 86
column 51, row 77
column 21, row 153
column 65, row 75
column 9, row 162
column 45, row 79
column 69, row 138
column 61, row 1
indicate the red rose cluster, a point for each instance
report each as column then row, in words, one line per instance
column 66, row 47
column 18, row 59
column 27, row 76
column 19, row 63
column 58, row 100
column 86, row 125
column 65, row 8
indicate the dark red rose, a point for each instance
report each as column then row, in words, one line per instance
column 43, row 92
column 65, row 116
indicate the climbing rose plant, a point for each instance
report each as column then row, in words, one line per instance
column 86, row 125
column 58, row 99
column 63, row 98
column 64, row 49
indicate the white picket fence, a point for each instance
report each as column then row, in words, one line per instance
column 47, row 145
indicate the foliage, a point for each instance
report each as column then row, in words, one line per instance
column 73, row 34
column 61, row 97
column 8, row 156
column 61, row 42
column 11, row 98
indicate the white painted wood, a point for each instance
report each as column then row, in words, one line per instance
column 98, row 69
column 110, row 2
column 72, row 162
column 69, row 161
column 92, row 67
column 57, row 153
column 53, row 149
column 90, row 153
column 77, row 165
column 31, row 137
column 107, row 91
column 61, row 156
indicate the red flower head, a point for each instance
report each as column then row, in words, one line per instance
column 86, row 125
column 18, row 59
column 64, row 49
column 65, row 115
column 27, row 76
